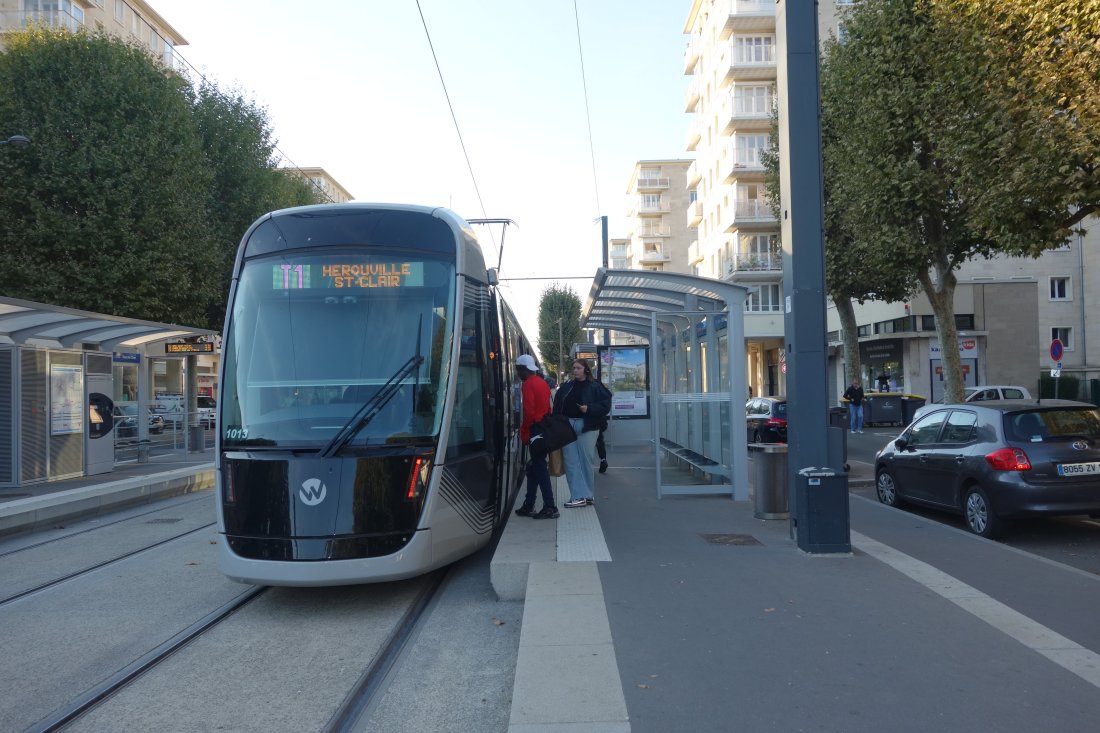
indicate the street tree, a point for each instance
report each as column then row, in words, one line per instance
column 240, row 149
column 107, row 209
column 911, row 171
column 558, row 305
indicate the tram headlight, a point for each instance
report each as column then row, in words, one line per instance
column 418, row 477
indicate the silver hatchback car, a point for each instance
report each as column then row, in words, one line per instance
column 996, row 460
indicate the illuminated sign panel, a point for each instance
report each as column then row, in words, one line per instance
column 290, row 276
column 206, row 348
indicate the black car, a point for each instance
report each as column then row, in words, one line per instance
column 125, row 422
column 996, row 460
column 767, row 419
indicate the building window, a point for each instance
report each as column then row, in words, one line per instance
column 764, row 300
column 752, row 101
column 1065, row 335
column 120, row 10
column 749, row 148
column 1059, row 288
column 692, row 196
column 754, row 50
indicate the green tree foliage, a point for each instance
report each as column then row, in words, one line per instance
column 944, row 150
column 137, row 188
column 238, row 143
column 106, row 210
column 558, row 302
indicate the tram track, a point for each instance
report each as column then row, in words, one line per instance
column 84, row 571
column 98, row 527
column 90, row 699
column 361, row 697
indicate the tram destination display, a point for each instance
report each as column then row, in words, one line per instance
column 314, row 275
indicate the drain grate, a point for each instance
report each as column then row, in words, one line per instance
column 165, row 520
column 730, row 539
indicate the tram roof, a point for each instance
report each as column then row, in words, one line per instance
column 625, row 300
column 27, row 322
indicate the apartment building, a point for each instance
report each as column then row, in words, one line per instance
column 659, row 197
column 328, row 187
column 1007, row 309
column 132, row 20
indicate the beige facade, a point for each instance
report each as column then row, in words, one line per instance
column 330, row 189
column 133, row 20
column 659, row 197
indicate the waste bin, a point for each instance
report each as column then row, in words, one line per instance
column 820, row 522
column 909, row 406
column 838, row 417
column 882, row 408
column 771, row 494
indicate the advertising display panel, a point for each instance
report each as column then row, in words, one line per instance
column 625, row 371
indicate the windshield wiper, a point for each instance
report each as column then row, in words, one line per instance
column 371, row 407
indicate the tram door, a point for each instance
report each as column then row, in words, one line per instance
column 472, row 444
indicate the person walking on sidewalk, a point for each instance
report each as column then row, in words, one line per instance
column 586, row 403
column 601, row 447
column 854, row 395
column 536, row 404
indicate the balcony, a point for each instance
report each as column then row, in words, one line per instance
column 692, row 95
column 751, row 214
column 694, row 134
column 650, row 208
column 693, row 176
column 742, row 164
column 745, row 113
column 653, row 230
column 750, row 61
column 694, row 254
column 748, row 16
column 694, row 214
column 17, row 20
column 766, row 267
column 691, row 54
column 653, row 258
column 652, row 183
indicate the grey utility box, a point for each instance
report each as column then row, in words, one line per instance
column 820, row 520
column 771, row 493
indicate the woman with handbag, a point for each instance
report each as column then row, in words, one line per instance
column 536, row 405
column 586, row 403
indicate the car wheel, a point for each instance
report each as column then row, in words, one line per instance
column 980, row 517
column 887, row 489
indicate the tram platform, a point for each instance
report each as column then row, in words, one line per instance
column 47, row 504
column 688, row 613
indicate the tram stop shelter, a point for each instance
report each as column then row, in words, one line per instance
column 696, row 332
column 57, row 386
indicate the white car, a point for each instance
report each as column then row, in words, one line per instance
column 983, row 393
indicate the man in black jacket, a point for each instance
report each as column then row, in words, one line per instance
column 854, row 395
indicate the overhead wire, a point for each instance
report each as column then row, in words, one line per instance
column 587, row 111
column 454, row 117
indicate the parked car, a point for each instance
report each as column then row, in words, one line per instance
column 982, row 394
column 125, row 420
column 208, row 411
column 995, row 460
column 767, row 419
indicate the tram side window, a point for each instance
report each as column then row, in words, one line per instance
column 468, row 419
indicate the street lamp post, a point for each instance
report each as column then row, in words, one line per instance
column 18, row 141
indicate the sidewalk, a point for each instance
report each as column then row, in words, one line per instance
column 706, row 619
column 42, row 505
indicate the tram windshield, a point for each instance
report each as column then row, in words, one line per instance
column 313, row 337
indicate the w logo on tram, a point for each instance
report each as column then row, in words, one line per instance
column 312, row 492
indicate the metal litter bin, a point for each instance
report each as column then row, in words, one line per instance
column 771, row 494
column 882, row 408
column 821, row 523
column 909, row 406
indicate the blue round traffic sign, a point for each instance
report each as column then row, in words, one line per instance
column 1056, row 349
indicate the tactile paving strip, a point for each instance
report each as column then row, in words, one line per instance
column 580, row 536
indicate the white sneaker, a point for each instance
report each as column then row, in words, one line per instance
column 860, row 432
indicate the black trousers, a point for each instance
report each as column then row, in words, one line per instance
column 601, row 449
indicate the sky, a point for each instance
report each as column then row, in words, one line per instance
column 351, row 86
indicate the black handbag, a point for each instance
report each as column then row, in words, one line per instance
column 551, row 433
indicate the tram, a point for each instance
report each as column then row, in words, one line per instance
column 368, row 425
